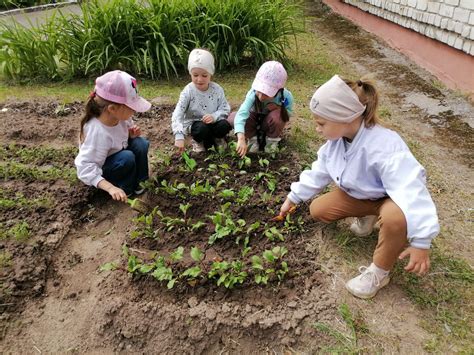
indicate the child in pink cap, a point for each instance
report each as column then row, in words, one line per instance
column 377, row 179
column 265, row 111
column 112, row 155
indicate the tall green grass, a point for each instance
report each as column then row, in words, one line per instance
column 150, row 38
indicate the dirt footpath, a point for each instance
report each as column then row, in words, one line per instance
column 57, row 301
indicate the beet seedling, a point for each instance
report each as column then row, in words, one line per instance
column 229, row 274
column 244, row 194
column 190, row 162
column 273, row 233
column 224, row 225
column 193, row 272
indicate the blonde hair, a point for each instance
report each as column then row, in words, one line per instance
column 368, row 96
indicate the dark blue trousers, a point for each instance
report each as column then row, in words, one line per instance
column 127, row 168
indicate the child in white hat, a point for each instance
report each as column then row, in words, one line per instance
column 112, row 155
column 202, row 108
column 265, row 111
column 377, row 178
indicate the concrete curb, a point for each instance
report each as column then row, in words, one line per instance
column 38, row 8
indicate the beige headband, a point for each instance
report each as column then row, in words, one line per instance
column 336, row 101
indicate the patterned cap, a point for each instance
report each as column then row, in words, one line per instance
column 270, row 78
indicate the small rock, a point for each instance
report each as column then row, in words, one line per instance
column 193, row 302
column 225, row 308
column 292, row 304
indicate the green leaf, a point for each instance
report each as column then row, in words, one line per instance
column 177, row 255
column 197, row 254
column 108, row 266
column 192, row 272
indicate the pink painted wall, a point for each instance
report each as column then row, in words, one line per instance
column 453, row 67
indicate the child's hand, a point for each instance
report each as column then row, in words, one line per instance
column 179, row 143
column 117, row 194
column 419, row 260
column 241, row 145
column 286, row 207
column 134, row 131
column 207, row 119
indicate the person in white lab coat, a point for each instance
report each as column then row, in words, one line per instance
column 377, row 179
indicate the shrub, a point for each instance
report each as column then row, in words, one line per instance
column 151, row 38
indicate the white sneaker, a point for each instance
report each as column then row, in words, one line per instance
column 197, row 147
column 363, row 226
column 367, row 284
column 253, row 145
column 272, row 145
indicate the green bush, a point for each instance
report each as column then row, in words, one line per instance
column 150, row 38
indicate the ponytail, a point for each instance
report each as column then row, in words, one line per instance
column 94, row 107
column 368, row 96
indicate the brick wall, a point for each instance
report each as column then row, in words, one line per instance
column 448, row 21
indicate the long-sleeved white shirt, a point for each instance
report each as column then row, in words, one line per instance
column 376, row 164
column 193, row 104
column 100, row 142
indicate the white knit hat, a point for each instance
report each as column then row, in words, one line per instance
column 336, row 101
column 200, row 58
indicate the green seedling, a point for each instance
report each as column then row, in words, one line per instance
column 224, row 224
column 184, row 208
column 228, row 274
column 244, row 162
column 171, row 222
column 227, row 193
column 273, row 234
column 196, row 188
column 139, row 205
column 267, row 265
column 263, row 162
column 244, row 194
column 197, row 254
column 146, row 220
column 108, row 266
column 274, row 254
column 177, row 255
column 163, row 158
column 190, row 162
column 198, row 225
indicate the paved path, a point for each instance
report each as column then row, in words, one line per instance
column 38, row 17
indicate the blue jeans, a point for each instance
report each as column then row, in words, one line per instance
column 127, row 168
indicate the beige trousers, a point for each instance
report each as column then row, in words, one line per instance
column 393, row 226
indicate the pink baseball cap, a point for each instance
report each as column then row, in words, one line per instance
column 270, row 78
column 121, row 88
